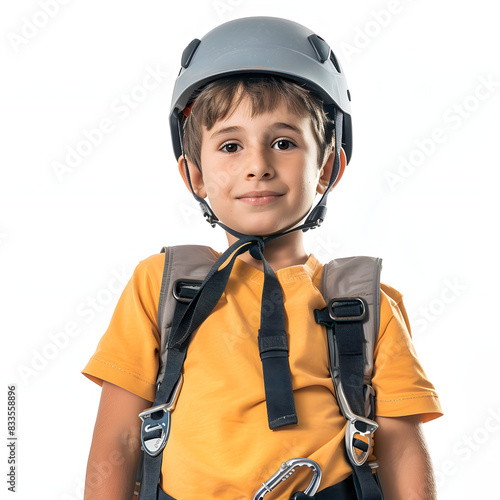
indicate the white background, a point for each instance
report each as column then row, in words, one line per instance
column 416, row 71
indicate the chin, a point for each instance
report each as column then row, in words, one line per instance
column 260, row 229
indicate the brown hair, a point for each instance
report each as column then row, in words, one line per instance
column 221, row 97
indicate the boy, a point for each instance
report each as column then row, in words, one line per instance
column 260, row 125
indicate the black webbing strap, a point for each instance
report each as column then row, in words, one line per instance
column 208, row 294
column 273, row 344
column 273, row 348
column 366, row 483
column 152, row 465
column 345, row 332
column 350, row 341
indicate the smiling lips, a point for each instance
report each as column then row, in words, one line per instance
column 259, row 197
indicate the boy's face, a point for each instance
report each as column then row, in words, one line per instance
column 260, row 174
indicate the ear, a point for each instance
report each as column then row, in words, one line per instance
column 326, row 171
column 195, row 176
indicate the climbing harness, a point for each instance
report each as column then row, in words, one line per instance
column 353, row 314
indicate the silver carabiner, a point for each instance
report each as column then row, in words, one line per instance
column 285, row 471
column 351, row 429
column 158, row 418
column 356, row 458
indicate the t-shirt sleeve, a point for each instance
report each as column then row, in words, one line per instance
column 127, row 354
column 400, row 383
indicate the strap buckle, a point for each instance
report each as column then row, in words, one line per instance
column 208, row 213
column 352, row 430
column 155, row 419
column 347, row 301
column 285, row 471
column 185, row 290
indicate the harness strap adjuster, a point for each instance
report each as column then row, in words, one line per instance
column 155, row 428
column 185, row 290
column 356, row 426
column 359, row 458
column 343, row 309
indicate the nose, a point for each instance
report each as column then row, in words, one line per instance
column 258, row 165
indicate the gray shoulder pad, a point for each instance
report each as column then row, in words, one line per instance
column 357, row 277
column 181, row 262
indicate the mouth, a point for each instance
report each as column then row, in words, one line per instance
column 259, row 197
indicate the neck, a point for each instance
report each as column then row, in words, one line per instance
column 282, row 252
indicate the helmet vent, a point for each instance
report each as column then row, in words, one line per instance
column 321, row 48
column 189, row 51
column 335, row 62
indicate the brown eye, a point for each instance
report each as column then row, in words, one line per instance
column 283, row 144
column 230, row 148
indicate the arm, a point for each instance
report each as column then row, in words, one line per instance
column 405, row 468
column 115, row 449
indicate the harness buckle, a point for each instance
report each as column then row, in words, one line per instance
column 156, row 419
column 285, row 471
column 343, row 301
column 360, row 457
column 184, row 290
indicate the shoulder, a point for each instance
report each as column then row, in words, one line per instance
column 392, row 309
column 151, row 266
column 145, row 283
column 182, row 260
column 390, row 299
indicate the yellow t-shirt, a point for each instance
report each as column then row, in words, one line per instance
column 220, row 445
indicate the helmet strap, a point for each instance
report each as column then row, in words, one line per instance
column 318, row 213
column 206, row 209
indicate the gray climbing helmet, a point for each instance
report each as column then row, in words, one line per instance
column 267, row 46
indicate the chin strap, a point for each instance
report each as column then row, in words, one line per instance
column 318, row 213
column 206, row 209
column 272, row 337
